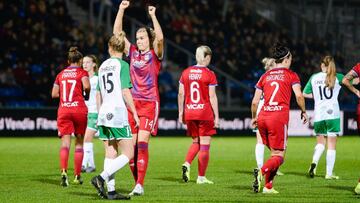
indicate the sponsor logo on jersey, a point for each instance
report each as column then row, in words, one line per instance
column 70, row 104
column 195, row 71
column 69, row 75
column 109, row 116
column 138, row 64
column 195, row 106
column 277, row 72
column 273, row 108
column 194, row 76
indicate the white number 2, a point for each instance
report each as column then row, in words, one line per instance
column 73, row 83
column 194, row 92
column 271, row 102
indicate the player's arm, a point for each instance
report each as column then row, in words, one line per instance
column 347, row 82
column 181, row 98
column 254, row 106
column 159, row 36
column 300, row 100
column 86, row 87
column 118, row 25
column 214, row 104
column 98, row 100
column 55, row 92
column 307, row 92
column 130, row 103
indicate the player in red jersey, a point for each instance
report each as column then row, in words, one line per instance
column 201, row 115
column 145, row 63
column 354, row 73
column 72, row 112
column 276, row 86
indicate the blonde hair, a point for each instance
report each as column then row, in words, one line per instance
column 117, row 42
column 329, row 62
column 202, row 52
column 268, row 63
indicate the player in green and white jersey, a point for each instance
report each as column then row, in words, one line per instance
column 324, row 88
column 112, row 98
column 90, row 64
column 260, row 147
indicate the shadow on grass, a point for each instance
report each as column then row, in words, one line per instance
column 171, row 179
column 246, row 188
column 344, row 188
column 246, row 172
column 50, row 181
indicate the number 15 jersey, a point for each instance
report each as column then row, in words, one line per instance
column 276, row 85
column 113, row 77
column 196, row 81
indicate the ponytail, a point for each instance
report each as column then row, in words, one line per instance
column 329, row 62
column 268, row 63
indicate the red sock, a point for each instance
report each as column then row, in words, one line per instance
column 203, row 159
column 193, row 150
column 269, row 169
column 64, row 156
column 132, row 164
column 142, row 161
column 78, row 157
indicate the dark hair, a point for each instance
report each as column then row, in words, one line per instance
column 74, row 55
column 280, row 52
column 95, row 60
column 151, row 34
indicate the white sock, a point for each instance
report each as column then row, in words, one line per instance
column 330, row 161
column 115, row 165
column 111, row 181
column 259, row 154
column 86, row 154
column 89, row 151
column 319, row 149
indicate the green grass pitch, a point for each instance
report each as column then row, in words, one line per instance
column 29, row 172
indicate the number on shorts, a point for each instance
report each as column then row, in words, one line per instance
column 71, row 93
column 194, row 92
column 272, row 102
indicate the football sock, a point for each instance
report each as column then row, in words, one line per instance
column 330, row 161
column 115, row 165
column 270, row 167
column 111, row 182
column 64, row 156
column 203, row 159
column 78, row 157
column 192, row 152
column 132, row 164
column 319, row 149
column 142, row 161
column 259, row 154
column 89, row 154
column 86, row 154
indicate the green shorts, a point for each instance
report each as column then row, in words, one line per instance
column 91, row 121
column 327, row 127
column 108, row 133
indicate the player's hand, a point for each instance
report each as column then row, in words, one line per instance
column 181, row 118
column 152, row 10
column 137, row 120
column 254, row 123
column 304, row 117
column 216, row 123
column 124, row 4
column 357, row 92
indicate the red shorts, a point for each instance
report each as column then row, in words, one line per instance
column 148, row 112
column 358, row 117
column 273, row 133
column 197, row 128
column 71, row 123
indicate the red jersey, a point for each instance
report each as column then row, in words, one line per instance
column 196, row 81
column 71, row 90
column 276, row 85
column 144, row 72
column 356, row 69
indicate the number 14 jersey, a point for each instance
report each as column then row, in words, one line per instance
column 196, row 81
column 276, row 85
column 326, row 100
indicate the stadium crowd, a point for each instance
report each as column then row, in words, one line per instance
column 36, row 33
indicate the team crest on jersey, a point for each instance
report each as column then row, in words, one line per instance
column 147, row 56
column 136, row 54
column 109, row 116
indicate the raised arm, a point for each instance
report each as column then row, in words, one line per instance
column 300, row 100
column 254, row 106
column 214, row 105
column 347, row 82
column 159, row 36
column 181, row 103
column 118, row 25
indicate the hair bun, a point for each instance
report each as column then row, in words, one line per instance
column 73, row 49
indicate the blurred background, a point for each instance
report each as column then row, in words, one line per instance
column 35, row 36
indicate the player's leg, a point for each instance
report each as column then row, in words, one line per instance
column 78, row 157
column 330, row 157
column 88, row 164
column 64, row 158
column 134, row 131
column 357, row 188
column 203, row 157
column 193, row 131
column 259, row 150
column 319, row 149
column 258, row 176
